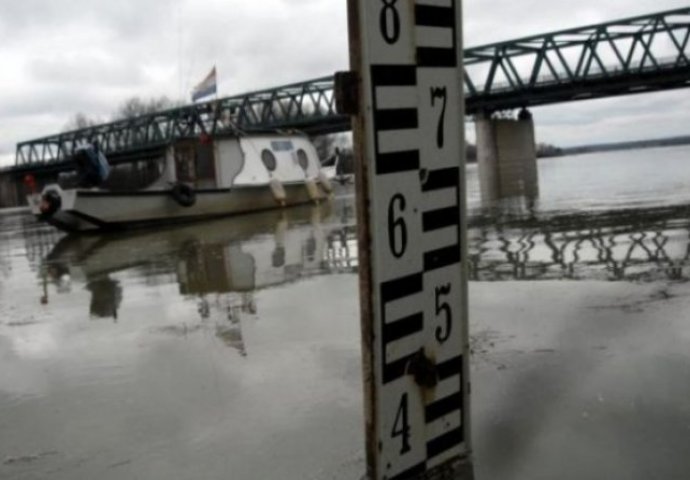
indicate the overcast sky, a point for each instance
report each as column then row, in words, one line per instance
column 60, row 57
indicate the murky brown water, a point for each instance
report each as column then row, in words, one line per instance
column 230, row 349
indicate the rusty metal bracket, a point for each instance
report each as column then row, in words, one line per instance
column 423, row 369
column 346, row 91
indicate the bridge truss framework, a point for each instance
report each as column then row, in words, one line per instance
column 633, row 55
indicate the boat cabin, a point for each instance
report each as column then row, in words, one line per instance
column 250, row 160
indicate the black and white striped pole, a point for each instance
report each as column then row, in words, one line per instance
column 405, row 92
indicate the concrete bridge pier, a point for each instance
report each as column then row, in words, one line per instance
column 11, row 191
column 507, row 157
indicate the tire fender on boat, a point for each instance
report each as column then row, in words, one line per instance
column 183, row 194
column 278, row 191
column 50, row 203
column 313, row 190
column 325, row 183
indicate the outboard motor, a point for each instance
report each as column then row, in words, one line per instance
column 92, row 166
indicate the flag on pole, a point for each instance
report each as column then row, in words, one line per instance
column 206, row 87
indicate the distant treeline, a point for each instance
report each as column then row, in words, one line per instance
column 603, row 147
column 326, row 144
column 543, row 150
column 547, row 150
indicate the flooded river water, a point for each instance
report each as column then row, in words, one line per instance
column 230, row 349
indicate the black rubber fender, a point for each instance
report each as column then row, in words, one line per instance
column 50, row 203
column 183, row 194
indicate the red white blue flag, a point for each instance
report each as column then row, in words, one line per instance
column 206, row 87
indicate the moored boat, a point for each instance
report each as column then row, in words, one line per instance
column 187, row 180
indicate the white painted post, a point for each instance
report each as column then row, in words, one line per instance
column 406, row 56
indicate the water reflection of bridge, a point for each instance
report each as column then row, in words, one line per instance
column 639, row 245
column 220, row 266
column 634, row 245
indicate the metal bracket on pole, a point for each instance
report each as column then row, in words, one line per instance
column 347, row 93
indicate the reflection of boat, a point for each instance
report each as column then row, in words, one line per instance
column 205, row 178
column 219, row 264
column 276, row 240
column 236, row 254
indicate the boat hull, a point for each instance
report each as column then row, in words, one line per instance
column 97, row 210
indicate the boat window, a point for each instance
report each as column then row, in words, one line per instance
column 302, row 159
column 269, row 160
column 282, row 145
column 135, row 175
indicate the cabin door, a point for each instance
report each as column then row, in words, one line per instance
column 185, row 164
column 205, row 166
column 195, row 164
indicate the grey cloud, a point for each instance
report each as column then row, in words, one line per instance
column 86, row 55
column 58, row 100
column 31, row 17
column 259, row 48
column 500, row 20
column 633, row 117
column 84, row 69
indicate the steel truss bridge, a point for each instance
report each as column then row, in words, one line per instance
column 633, row 55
